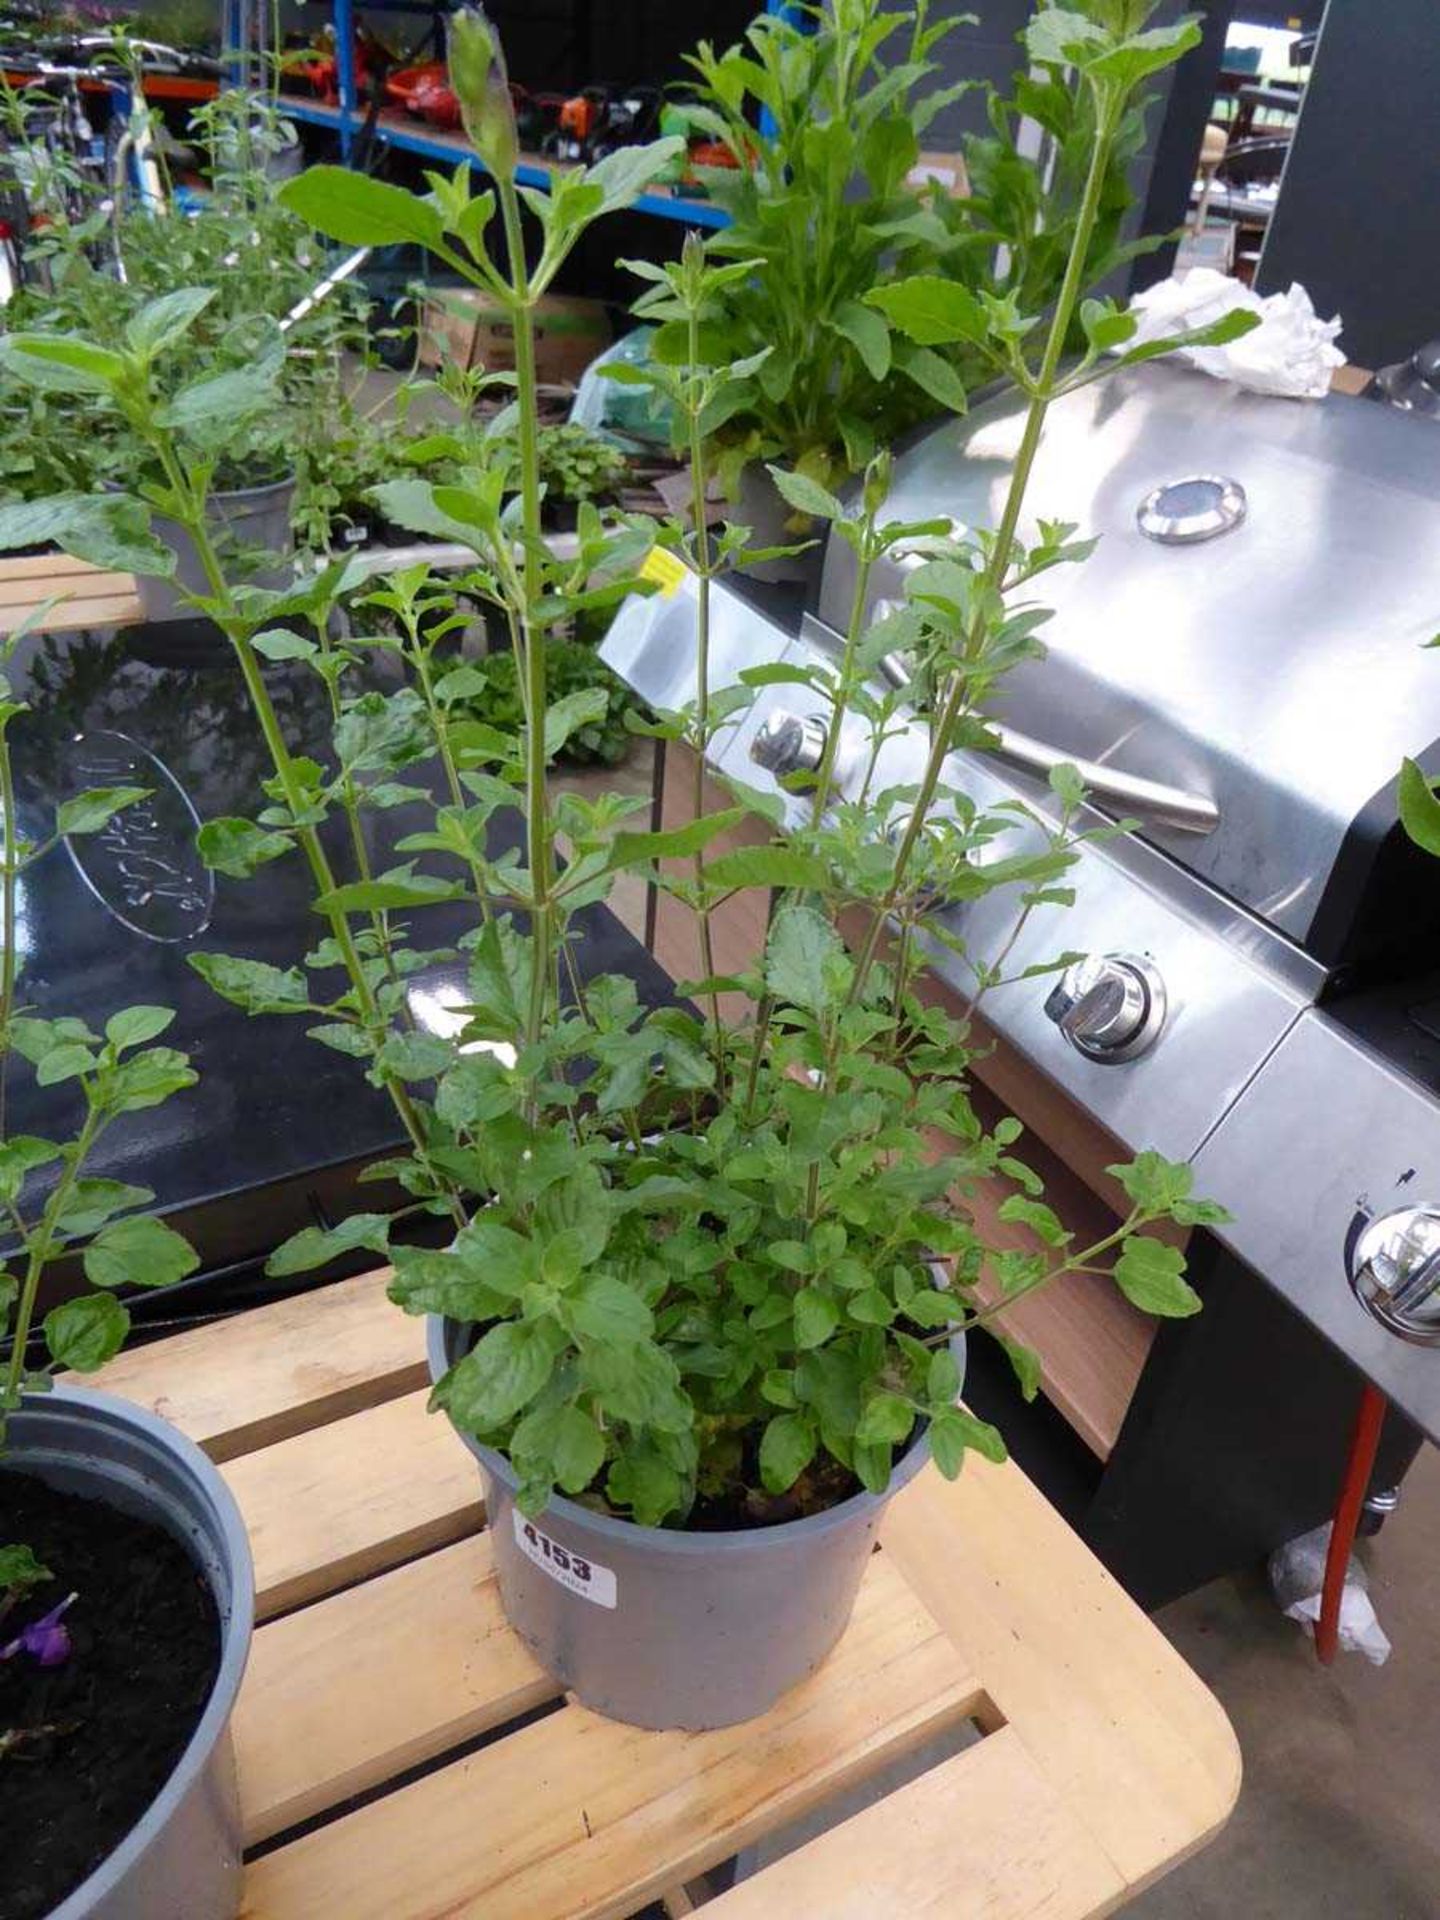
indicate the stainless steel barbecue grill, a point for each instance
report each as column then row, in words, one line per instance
column 1239, row 668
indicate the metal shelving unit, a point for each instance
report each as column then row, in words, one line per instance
column 345, row 119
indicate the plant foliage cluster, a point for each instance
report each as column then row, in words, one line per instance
column 707, row 1256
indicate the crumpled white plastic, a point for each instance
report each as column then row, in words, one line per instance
column 1291, row 353
column 1297, row 1575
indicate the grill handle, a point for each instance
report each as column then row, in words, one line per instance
column 1166, row 806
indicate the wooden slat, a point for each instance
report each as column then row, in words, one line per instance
column 340, row 1697
column 57, row 567
column 580, row 1818
column 352, row 1499
column 278, row 1370
column 1126, row 1734
column 982, row 1836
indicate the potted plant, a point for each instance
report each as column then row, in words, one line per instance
column 704, row 1281
column 119, row 1667
column 828, row 202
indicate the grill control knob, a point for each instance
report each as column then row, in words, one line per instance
column 1396, row 1273
column 1110, row 1007
column 785, row 743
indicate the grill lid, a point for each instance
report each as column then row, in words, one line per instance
column 1250, row 626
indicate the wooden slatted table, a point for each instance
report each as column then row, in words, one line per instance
column 84, row 596
column 391, row 1716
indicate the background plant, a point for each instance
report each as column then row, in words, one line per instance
column 824, row 210
column 700, row 1255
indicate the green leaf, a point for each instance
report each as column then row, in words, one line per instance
column 141, row 1252
column 253, row 984
column 563, row 1443
column 1142, row 54
column 1024, row 1362
column 1061, row 37
column 316, row 1246
column 1153, row 1182
column 933, row 374
column 885, row 1421
column 931, row 311
column 20, row 1156
column 622, row 176
column 786, row 1448
column 769, row 867
column 85, row 1333
column 506, row 1260
column 92, row 1202
column 414, row 1056
column 806, row 495
column 1150, row 1275
column 942, row 1379
column 112, row 531
column 499, row 1376
column 147, row 1079
column 816, row 1317
column 476, row 1089
column 280, row 644
column 630, row 849
column 1419, row 808
column 236, row 395
column 1040, row 1219
column 646, row 1483
column 955, row 1430
column 361, row 212
column 160, row 323
column 867, row 333
column 64, row 1063
column 88, row 812
column 63, row 364
column 570, row 713
column 448, row 1283
column 1106, row 325
column 19, row 1572
column 604, row 1308
column 133, row 1026
column 400, row 887
column 806, row 964
column 237, row 847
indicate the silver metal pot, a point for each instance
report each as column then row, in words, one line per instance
column 661, row 1628
column 182, row 1858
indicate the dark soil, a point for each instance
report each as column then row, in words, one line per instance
column 145, row 1648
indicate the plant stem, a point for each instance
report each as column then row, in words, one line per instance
column 846, row 687
column 8, row 888
column 703, row 569
column 192, row 517
column 537, row 812
column 39, row 1255
column 993, row 579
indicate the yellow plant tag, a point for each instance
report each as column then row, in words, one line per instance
column 666, row 569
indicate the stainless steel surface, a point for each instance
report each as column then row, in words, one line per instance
column 1396, row 1275
column 1263, row 670
column 789, row 743
column 1328, row 1138
column 1109, row 1006
column 1227, row 1004
column 1182, row 513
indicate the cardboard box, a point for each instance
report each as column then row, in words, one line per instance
column 464, row 327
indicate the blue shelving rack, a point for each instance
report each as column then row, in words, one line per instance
column 345, row 119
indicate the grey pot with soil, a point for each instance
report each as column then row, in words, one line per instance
column 660, row 1627
column 250, row 527
column 180, row 1858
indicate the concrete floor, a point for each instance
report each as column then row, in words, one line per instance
column 1339, row 1818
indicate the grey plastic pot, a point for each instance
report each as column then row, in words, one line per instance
column 249, row 521
column 181, row 1860
column 661, row 1628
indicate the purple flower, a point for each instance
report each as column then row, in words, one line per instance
column 46, row 1640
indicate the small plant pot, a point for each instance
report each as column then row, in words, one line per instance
column 662, row 1628
column 183, row 1855
column 251, row 520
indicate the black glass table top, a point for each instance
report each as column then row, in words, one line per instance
column 109, row 920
